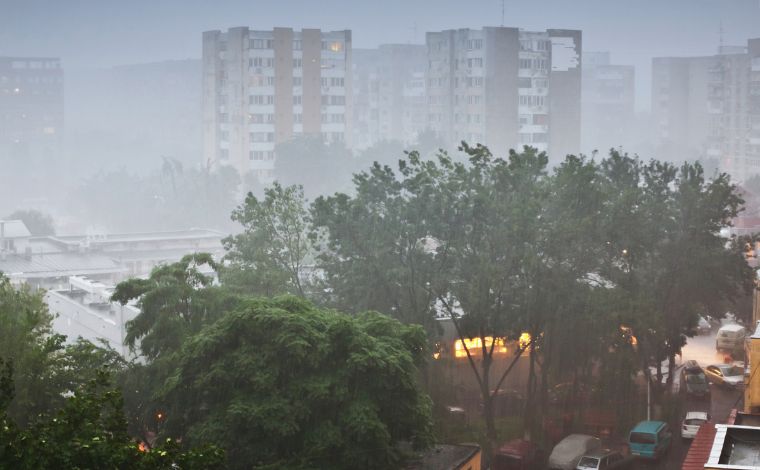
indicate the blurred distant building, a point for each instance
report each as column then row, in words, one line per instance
column 506, row 88
column 709, row 108
column 608, row 118
column 389, row 94
column 31, row 121
column 262, row 88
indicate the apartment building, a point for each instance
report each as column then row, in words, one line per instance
column 389, row 94
column 709, row 108
column 262, row 88
column 505, row 87
column 608, row 111
column 31, row 122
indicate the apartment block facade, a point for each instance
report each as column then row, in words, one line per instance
column 505, row 87
column 709, row 108
column 31, row 118
column 262, row 88
column 389, row 94
column 608, row 111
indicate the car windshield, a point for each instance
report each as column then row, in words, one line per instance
column 695, row 378
column 589, row 462
column 732, row 371
column 694, row 422
column 642, row 438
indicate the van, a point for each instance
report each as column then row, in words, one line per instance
column 731, row 338
column 650, row 439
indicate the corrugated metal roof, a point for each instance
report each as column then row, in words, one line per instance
column 58, row 264
column 14, row 229
column 700, row 449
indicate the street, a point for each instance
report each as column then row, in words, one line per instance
column 701, row 349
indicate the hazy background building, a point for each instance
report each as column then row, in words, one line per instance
column 389, row 94
column 608, row 109
column 31, row 126
column 708, row 108
column 262, row 88
column 505, row 88
column 131, row 116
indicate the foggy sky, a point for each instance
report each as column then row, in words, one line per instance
column 102, row 33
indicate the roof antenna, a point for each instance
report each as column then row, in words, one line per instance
column 720, row 38
column 502, row 13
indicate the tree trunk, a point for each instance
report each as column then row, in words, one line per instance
column 671, row 372
column 491, row 433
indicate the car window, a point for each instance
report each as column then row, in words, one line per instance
column 589, row 462
column 643, row 438
column 695, row 379
column 732, row 371
column 694, row 422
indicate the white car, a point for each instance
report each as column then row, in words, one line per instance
column 692, row 422
column 728, row 375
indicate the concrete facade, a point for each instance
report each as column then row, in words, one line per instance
column 506, row 88
column 608, row 103
column 709, row 108
column 262, row 88
column 389, row 94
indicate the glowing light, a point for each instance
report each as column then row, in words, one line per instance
column 475, row 345
column 142, row 447
column 524, row 340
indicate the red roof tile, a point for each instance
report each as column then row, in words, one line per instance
column 700, row 448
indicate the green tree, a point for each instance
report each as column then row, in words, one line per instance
column 38, row 223
column 279, row 383
column 270, row 255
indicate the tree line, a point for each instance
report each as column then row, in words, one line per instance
column 304, row 346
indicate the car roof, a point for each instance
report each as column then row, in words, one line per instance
column 648, row 426
column 696, row 415
column 732, row 327
column 601, row 453
column 691, row 365
column 725, row 366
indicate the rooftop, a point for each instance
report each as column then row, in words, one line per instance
column 13, row 229
column 735, row 447
column 700, row 448
column 445, row 457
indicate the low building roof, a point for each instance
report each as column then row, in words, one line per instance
column 445, row 457
column 14, row 229
column 700, row 449
column 58, row 265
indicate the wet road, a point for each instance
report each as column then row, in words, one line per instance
column 701, row 349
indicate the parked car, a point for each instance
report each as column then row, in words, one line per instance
column 650, row 439
column 517, row 454
column 694, row 381
column 703, row 326
column 567, row 454
column 727, row 375
column 731, row 338
column 692, row 422
column 604, row 459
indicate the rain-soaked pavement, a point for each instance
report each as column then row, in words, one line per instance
column 702, row 349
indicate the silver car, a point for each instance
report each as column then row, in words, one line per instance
column 727, row 375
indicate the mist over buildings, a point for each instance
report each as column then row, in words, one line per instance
column 128, row 117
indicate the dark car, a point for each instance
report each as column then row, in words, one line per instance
column 694, row 381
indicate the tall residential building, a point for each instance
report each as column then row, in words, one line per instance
column 262, row 88
column 607, row 104
column 31, row 121
column 709, row 108
column 389, row 94
column 506, row 88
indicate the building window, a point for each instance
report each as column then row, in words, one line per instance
column 475, row 63
column 297, row 100
column 297, row 45
column 262, row 137
column 475, row 44
column 224, row 154
column 298, row 118
column 297, row 81
column 333, row 46
column 261, row 44
column 297, row 63
column 261, row 99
